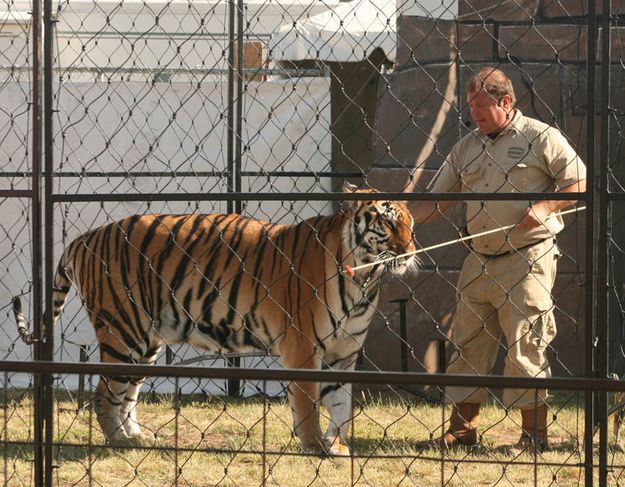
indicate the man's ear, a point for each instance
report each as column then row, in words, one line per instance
column 506, row 102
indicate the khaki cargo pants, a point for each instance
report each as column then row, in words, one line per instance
column 509, row 297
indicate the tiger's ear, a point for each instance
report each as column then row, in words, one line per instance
column 349, row 187
column 350, row 207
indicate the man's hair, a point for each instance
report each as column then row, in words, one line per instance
column 494, row 82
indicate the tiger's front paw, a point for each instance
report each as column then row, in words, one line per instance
column 138, row 439
column 335, row 446
column 314, row 447
column 119, row 439
column 143, row 438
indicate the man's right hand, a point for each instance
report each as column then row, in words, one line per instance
column 424, row 211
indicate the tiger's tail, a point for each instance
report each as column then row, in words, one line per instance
column 23, row 329
column 62, row 285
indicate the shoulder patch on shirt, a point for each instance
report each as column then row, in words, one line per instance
column 516, row 152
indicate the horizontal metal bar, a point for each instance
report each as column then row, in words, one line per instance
column 461, row 458
column 225, row 356
column 580, row 384
column 200, row 72
column 145, row 197
column 159, row 34
column 183, row 174
column 16, row 193
column 464, row 19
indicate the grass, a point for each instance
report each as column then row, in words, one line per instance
column 214, row 441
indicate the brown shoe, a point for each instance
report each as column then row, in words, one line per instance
column 462, row 430
column 534, row 437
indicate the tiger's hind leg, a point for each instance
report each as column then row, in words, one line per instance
column 337, row 398
column 108, row 401
column 115, row 405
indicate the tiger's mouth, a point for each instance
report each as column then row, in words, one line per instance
column 398, row 265
column 403, row 265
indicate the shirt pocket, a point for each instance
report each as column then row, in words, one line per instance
column 515, row 177
column 470, row 176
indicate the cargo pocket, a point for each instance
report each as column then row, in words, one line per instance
column 540, row 325
column 515, row 176
column 543, row 263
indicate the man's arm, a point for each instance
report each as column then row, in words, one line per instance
column 539, row 211
column 446, row 180
column 425, row 211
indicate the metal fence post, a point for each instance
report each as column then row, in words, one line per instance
column 403, row 334
column 39, row 379
column 235, row 113
column 49, row 264
column 442, row 356
column 601, row 270
column 589, row 365
column 233, row 385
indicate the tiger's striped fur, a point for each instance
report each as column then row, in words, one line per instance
column 232, row 283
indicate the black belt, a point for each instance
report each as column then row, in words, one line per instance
column 513, row 251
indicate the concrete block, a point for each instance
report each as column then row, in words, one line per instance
column 617, row 51
column 408, row 107
column 543, row 42
column 477, row 42
column 422, row 40
column 565, row 9
column 519, row 10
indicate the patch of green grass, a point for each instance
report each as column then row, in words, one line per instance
column 218, row 441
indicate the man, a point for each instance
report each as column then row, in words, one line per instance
column 505, row 284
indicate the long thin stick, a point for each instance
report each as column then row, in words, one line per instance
column 351, row 270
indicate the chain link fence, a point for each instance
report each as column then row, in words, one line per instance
column 264, row 109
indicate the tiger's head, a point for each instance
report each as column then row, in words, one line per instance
column 380, row 230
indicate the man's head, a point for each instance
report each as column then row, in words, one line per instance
column 491, row 100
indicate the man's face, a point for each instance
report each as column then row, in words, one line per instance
column 490, row 115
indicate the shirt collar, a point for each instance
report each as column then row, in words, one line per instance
column 516, row 123
column 513, row 127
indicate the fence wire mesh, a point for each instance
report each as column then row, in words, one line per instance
column 264, row 109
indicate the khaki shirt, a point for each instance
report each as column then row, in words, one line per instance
column 527, row 156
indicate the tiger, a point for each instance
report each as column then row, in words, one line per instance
column 232, row 283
